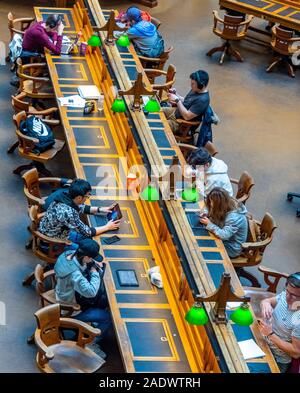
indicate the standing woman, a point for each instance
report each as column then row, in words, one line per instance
column 227, row 220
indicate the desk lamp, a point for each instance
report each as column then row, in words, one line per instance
column 110, row 26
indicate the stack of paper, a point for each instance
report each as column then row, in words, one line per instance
column 89, row 92
column 233, row 305
column 250, row 349
column 74, row 101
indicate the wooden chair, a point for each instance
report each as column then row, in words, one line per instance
column 186, row 149
column 244, row 187
column 184, row 133
column 283, row 43
column 47, row 296
column 259, row 294
column 34, row 85
column 18, row 26
column 26, row 146
column 32, row 189
column 232, row 28
column 46, row 248
column 56, row 355
column 19, row 104
column 157, row 63
column 260, row 235
column 162, row 88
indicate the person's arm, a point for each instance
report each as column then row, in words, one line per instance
column 267, row 306
column 225, row 233
column 87, row 209
column 46, row 42
column 84, row 287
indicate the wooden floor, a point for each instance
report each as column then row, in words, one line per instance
column 259, row 132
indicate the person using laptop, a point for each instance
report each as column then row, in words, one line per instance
column 42, row 35
column 62, row 218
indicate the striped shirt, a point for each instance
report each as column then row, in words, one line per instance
column 285, row 324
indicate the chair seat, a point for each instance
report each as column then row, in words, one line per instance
column 242, row 262
column 47, row 155
column 43, row 89
column 257, row 295
column 70, row 358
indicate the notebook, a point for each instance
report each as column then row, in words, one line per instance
column 89, row 92
column 250, row 349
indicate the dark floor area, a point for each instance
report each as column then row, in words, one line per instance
column 259, row 132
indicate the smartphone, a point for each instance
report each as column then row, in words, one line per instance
column 111, row 240
column 115, row 214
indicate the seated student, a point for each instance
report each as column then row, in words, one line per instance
column 80, row 273
column 281, row 324
column 226, row 218
column 191, row 107
column 145, row 38
column 62, row 218
column 214, row 175
column 42, row 35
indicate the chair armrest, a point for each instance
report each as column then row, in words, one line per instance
column 86, row 332
column 234, row 181
column 243, row 198
column 150, row 59
column 51, row 122
column 154, row 71
column 24, row 20
column 33, row 78
column 51, row 239
column 17, row 31
column 162, row 86
column 188, row 122
column 34, row 65
column 54, row 181
column 38, row 201
column 41, row 346
column 27, row 138
column 247, row 246
column 46, row 112
column 272, row 286
column 49, row 273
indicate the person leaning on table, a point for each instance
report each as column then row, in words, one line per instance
column 283, row 330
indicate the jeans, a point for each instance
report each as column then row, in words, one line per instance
column 283, row 367
column 75, row 238
column 98, row 315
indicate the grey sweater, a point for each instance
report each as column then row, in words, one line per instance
column 234, row 231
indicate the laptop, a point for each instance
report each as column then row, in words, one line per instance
column 67, row 45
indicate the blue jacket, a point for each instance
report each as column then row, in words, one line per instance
column 234, row 231
column 205, row 133
column 145, row 38
column 70, row 279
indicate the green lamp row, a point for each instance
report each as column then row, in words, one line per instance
column 197, row 315
column 95, row 40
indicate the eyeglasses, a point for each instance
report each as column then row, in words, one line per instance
column 292, row 294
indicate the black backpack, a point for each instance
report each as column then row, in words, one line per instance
column 35, row 128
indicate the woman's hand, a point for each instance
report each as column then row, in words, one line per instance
column 204, row 220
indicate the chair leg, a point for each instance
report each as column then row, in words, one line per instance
column 22, row 168
column 234, row 53
column 42, row 169
column 292, row 195
column 217, row 49
column 274, row 62
column 290, row 69
column 28, row 279
column 223, row 55
column 30, row 339
column 241, row 272
column 12, row 148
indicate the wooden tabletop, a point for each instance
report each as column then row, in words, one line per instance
column 97, row 142
column 285, row 12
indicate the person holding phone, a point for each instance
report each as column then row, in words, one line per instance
column 62, row 218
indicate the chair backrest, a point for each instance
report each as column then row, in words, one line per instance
column 48, row 321
column 281, row 39
column 31, row 186
column 231, row 27
column 267, row 227
column 19, row 104
column 39, row 279
column 158, row 62
column 171, row 71
column 211, row 148
column 244, row 187
column 13, row 27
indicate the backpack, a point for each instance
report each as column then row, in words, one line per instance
column 35, row 128
column 15, row 47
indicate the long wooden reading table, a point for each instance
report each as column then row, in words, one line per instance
column 149, row 322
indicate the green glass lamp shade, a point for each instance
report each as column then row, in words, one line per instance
column 94, row 41
column 242, row 316
column 118, row 105
column 152, row 106
column 123, row 40
column 190, row 195
column 196, row 315
column 150, row 194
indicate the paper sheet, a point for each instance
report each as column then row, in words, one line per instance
column 233, row 305
column 250, row 349
column 73, row 101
